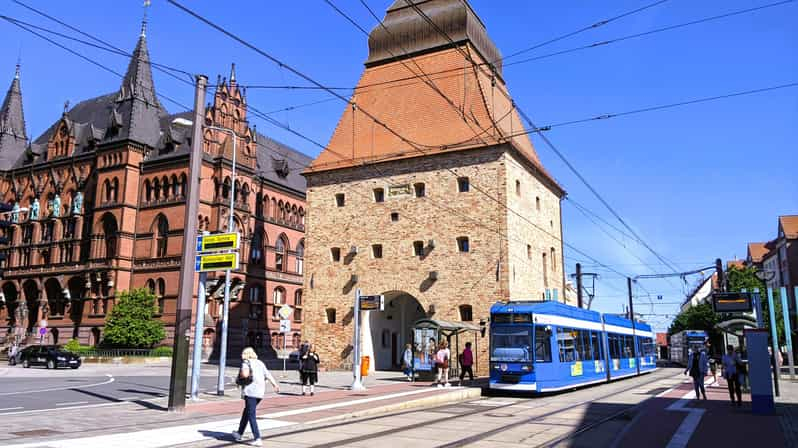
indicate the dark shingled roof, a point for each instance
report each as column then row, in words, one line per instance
column 13, row 138
column 134, row 113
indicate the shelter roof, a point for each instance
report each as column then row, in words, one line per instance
column 447, row 325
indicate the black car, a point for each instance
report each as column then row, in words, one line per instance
column 50, row 356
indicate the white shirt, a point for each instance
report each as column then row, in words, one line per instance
column 259, row 373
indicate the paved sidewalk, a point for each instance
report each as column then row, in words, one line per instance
column 146, row 424
column 676, row 419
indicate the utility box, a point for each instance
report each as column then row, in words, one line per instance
column 759, row 371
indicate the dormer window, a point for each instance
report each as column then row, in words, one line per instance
column 280, row 167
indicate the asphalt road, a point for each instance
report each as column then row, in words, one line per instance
column 38, row 390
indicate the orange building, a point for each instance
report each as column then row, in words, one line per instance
column 99, row 207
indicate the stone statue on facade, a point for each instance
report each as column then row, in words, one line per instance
column 34, row 209
column 15, row 213
column 57, row 206
column 77, row 203
column 21, row 318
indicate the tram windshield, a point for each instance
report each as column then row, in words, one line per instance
column 510, row 344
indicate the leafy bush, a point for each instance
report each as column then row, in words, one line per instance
column 162, row 351
column 132, row 323
column 72, row 346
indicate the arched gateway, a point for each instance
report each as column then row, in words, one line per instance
column 389, row 330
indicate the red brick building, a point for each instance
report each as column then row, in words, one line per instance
column 100, row 199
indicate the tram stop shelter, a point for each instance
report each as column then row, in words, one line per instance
column 427, row 334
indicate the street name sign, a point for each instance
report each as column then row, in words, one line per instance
column 218, row 242
column 285, row 326
column 732, row 302
column 216, row 262
column 369, row 303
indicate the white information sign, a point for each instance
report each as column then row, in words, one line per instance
column 285, row 326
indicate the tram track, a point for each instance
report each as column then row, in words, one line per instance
column 484, row 435
column 454, row 416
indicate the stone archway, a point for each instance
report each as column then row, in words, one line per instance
column 385, row 333
column 31, row 290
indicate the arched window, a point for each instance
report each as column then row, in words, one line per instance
column 553, row 260
column 161, row 236
column 259, row 205
column 165, row 187
column 161, row 293
column 237, row 192
column 537, row 203
column 175, row 186
column 226, row 188
column 274, row 211
column 278, row 299
column 298, row 297
column 183, row 181
column 151, row 285
column 111, row 234
column 147, row 190
column 300, row 255
column 116, row 189
column 256, row 249
column 107, row 190
column 156, row 189
column 279, row 253
column 545, row 272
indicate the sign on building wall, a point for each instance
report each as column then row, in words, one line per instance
column 399, row 190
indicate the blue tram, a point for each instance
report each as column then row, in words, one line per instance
column 549, row 346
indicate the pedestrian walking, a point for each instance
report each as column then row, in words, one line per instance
column 252, row 379
column 12, row 355
column 442, row 357
column 713, row 369
column 310, row 370
column 466, row 363
column 407, row 362
column 733, row 372
column 697, row 367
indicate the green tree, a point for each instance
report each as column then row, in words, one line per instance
column 745, row 278
column 131, row 323
column 700, row 317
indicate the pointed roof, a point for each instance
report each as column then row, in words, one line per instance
column 13, row 138
column 475, row 110
column 136, row 101
column 789, row 225
column 757, row 251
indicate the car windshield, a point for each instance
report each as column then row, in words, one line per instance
column 510, row 344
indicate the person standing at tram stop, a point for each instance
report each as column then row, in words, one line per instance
column 407, row 362
column 309, row 373
column 252, row 379
column 697, row 367
column 733, row 372
column 466, row 363
column 442, row 357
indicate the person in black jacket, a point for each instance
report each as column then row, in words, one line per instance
column 309, row 372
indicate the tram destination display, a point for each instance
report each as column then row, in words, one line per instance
column 732, row 302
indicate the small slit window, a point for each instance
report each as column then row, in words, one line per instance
column 376, row 250
column 340, row 200
column 462, row 244
column 335, row 254
column 462, row 185
column 418, row 248
column 379, row 195
column 537, row 203
column 529, row 251
column 518, row 187
column 330, row 314
column 394, row 216
column 420, row 190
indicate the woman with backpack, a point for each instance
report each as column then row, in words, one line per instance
column 252, row 379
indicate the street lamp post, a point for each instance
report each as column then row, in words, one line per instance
column 226, row 306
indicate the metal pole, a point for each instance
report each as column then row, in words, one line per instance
column 284, row 355
column 177, row 379
column 775, row 343
column 760, row 320
column 785, row 310
column 199, row 326
column 579, row 285
column 632, row 318
column 226, row 306
column 357, row 384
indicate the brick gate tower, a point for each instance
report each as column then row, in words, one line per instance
column 429, row 192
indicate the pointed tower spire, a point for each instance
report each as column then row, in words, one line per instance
column 233, row 73
column 137, row 101
column 13, row 137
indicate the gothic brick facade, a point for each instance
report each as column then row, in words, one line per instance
column 99, row 207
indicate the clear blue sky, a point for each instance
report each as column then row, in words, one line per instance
column 696, row 182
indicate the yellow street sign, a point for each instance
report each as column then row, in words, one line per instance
column 217, row 242
column 216, row 262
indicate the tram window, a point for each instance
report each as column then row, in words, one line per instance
column 565, row 342
column 598, row 352
column 627, row 346
column 615, row 352
column 542, row 345
column 522, row 318
column 586, row 353
column 501, row 318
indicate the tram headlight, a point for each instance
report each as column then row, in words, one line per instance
column 526, row 368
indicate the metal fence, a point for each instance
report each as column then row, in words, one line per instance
column 114, row 353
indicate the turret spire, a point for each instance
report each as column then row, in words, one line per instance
column 13, row 137
column 144, row 19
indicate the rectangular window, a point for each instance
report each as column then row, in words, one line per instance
column 595, row 342
column 462, row 244
column 420, row 190
column 578, row 345
column 278, row 262
column 330, row 313
column 566, row 344
column 340, row 200
column 394, row 216
column 335, row 254
column 379, row 195
column 613, row 346
column 542, row 344
column 376, row 250
column 297, row 314
column 463, row 185
column 418, row 248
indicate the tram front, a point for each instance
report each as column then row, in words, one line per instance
column 511, row 355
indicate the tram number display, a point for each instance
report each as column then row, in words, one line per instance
column 732, row 302
column 576, row 369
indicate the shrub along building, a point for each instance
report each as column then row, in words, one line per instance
column 99, row 207
column 428, row 192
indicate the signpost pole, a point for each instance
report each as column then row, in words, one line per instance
column 357, row 384
column 199, row 326
column 775, row 342
column 760, row 321
column 227, row 274
column 785, row 309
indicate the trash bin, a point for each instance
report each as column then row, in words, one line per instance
column 364, row 365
